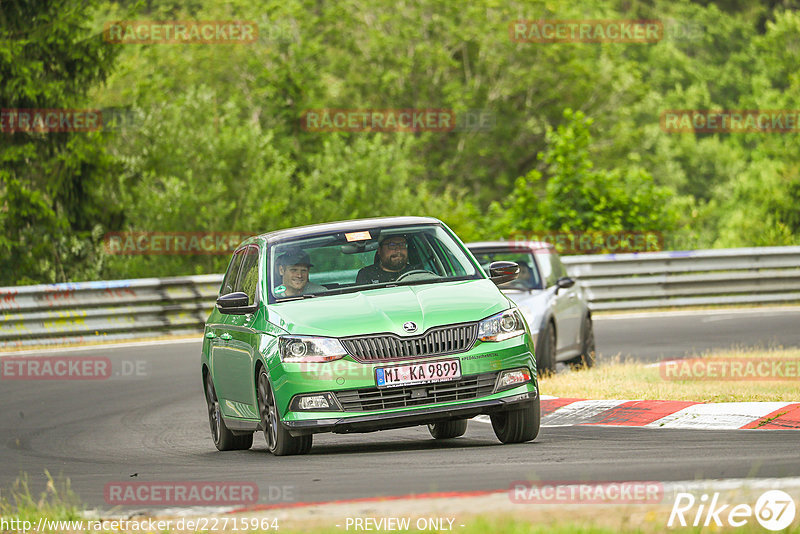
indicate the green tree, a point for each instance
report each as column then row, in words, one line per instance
column 580, row 197
column 52, row 208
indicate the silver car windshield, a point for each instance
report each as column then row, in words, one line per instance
column 529, row 276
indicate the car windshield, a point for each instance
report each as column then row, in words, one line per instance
column 528, row 273
column 365, row 259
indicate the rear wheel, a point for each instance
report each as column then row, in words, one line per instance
column 546, row 351
column 518, row 426
column 448, row 429
column 587, row 355
column 224, row 439
column 279, row 441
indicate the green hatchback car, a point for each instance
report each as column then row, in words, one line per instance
column 365, row 325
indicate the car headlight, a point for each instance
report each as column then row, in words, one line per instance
column 503, row 325
column 310, row 349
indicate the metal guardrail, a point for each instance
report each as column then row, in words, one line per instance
column 689, row 278
column 119, row 309
column 111, row 310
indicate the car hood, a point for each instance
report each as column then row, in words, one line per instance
column 386, row 309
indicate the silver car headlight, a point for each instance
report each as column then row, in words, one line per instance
column 501, row 326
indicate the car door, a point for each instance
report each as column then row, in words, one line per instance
column 235, row 345
column 564, row 301
column 573, row 309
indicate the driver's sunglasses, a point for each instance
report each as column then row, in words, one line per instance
column 395, row 245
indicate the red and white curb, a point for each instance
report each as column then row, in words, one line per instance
column 669, row 414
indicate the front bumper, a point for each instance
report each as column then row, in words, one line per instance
column 406, row 418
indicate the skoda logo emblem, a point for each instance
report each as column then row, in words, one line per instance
column 410, row 326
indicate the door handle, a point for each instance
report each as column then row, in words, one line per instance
column 225, row 337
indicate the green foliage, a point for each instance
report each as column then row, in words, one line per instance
column 580, row 197
column 51, row 208
column 216, row 142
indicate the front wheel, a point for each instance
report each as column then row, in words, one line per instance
column 448, row 429
column 279, row 441
column 519, row 425
column 224, row 439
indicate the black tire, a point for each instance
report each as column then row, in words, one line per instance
column 546, row 351
column 586, row 358
column 448, row 429
column 224, row 439
column 279, row 441
column 518, row 426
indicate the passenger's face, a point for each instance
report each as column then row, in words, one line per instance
column 393, row 254
column 295, row 278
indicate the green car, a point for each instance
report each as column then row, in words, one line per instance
column 365, row 325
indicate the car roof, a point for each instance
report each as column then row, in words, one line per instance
column 340, row 226
column 533, row 246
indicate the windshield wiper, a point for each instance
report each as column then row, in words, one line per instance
column 298, row 297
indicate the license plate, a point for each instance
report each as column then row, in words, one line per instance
column 418, row 373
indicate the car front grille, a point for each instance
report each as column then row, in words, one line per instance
column 366, row 399
column 438, row 341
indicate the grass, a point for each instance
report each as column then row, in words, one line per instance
column 627, row 380
column 57, row 501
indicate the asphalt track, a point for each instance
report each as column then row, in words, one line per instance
column 154, row 426
column 652, row 337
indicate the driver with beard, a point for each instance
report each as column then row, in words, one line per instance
column 392, row 262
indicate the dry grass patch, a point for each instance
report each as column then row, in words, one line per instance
column 627, row 380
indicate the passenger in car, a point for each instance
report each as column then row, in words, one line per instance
column 392, row 261
column 293, row 267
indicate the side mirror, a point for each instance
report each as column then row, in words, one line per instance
column 501, row 272
column 564, row 282
column 235, row 303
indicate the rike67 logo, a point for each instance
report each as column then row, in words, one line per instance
column 774, row 510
